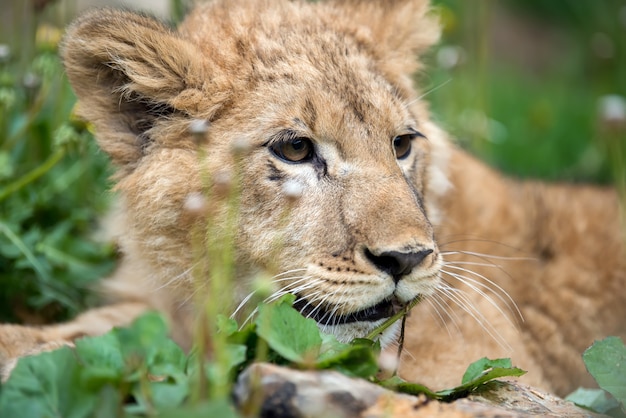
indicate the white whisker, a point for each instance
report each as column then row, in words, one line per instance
column 509, row 302
column 488, row 298
column 176, row 278
column 488, row 256
column 462, row 301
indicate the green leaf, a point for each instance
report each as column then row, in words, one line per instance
column 474, row 378
column 478, row 373
column 102, row 351
column 358, row 359
column 221, row 408
column 226, row 325
column 594, row 399
column 287, row 332
column 47, row 385
column 172, row 390
column 144, row 338
column 396, row 383
column 477, row 368
column 606, row 361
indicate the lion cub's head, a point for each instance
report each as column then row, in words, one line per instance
column 320, row 97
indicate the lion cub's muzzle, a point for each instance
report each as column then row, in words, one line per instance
column 397, row 268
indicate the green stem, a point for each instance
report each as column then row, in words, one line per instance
column 32, row 175
column 401, row 313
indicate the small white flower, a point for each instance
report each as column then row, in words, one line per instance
column 612, row 108
column 292, row 189
column 450, row 56
column 240, row 146
column 195, row 203
column 198, row 126
column 388, row 361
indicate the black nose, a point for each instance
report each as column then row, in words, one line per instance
column 396, row 263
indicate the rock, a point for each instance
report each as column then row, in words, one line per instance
column 267, row 390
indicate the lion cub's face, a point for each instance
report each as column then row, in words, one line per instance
column 333, row 153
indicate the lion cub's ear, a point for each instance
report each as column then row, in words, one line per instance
column 399, row 29
column 131, row 72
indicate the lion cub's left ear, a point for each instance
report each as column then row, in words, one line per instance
column 398, row 30
column 130, row 73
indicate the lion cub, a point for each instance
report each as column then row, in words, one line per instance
column 320, row 97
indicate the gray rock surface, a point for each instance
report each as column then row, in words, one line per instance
column 267, row 390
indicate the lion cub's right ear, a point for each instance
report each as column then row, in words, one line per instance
column 132, row 73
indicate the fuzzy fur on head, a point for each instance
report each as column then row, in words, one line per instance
column 263, row 74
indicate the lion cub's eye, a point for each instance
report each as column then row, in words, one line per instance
column 296, row 150
column 402, row 145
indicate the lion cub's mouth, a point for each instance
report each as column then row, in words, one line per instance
column 381, row 310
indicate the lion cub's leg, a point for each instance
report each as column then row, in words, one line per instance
column 19, row 341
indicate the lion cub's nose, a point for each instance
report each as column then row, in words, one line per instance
column 396, row 263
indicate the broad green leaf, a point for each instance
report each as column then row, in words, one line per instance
column 102, row 351
column 606, row 361
column 477, row 368
column 478, row 380
column 169, row 353
column 594, row 399
column 221, row 408
column 171, row 387
column 358, row 359
column 288, row 333
column 448, row 395
column 143, row 338
column 47, row 385
column 110, row 403
column 226, row 325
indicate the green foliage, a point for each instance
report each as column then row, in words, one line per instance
column 295, row 339
column 51, row 194
column 476, row 375
column 606, row 361
column 533, row 110
column 139, row 371
column 597, row 400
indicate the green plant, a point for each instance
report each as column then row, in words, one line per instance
column 139, row 371
column 51, row 192
column 606, row 361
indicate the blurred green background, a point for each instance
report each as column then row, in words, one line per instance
column 536, row 88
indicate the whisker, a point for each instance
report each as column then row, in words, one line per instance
column 194, row 293
column 427, row 92
column 454, row 318
column 243, row 303
column 249, row 318
column 291, row 290
column 508, row 301
column 488, row 256
column 462, row 301
column 176, row 278
column 487, row 297
column 294, row 287
column 289, row 272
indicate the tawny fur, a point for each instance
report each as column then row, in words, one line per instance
column 339, row 73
